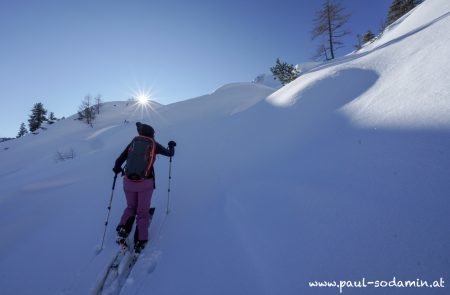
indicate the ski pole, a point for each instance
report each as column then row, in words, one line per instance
column 109, row 210
column 168, row 189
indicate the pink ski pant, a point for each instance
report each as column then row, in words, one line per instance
column 139, row 196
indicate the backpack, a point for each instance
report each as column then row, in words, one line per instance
column 141, row 155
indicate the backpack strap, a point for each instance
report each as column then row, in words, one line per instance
column 152, row 155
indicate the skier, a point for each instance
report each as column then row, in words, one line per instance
column 139, row 183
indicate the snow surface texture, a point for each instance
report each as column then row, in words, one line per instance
column 342, row 174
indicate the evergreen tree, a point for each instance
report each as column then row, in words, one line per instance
column 52, row 117
column 37, row 117
column 410, row 4
column 22, row 131
column 329, row 23
column 383, row 24
column 284, row 72
column 399, row 8
column 395, row 11
column 368, row 36
column 359, row 42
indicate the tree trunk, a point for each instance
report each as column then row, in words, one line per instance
column 330, row 33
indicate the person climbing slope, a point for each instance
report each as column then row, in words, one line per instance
column 139, row 183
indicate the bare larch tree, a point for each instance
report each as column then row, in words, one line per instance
column 329, row 22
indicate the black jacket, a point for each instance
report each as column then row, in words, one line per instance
column 168, row 152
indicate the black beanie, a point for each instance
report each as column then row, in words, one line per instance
column 145, row 130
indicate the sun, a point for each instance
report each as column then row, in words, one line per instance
column 143, row 99
column 144, row 105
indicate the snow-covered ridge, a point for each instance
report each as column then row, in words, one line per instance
column 224, row 101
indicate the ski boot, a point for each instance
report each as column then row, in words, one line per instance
column 139, row 246
column 122, row 235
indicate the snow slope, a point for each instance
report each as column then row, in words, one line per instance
column 342, row 174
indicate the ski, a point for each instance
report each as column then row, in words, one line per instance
column 130, row 261
column 126, row 267
column 120, row 267
column 111, row 271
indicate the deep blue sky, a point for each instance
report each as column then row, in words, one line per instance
column 56, row 52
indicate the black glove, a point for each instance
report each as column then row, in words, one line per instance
column 172, row 144
column 117, row 170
